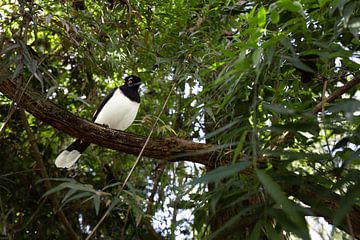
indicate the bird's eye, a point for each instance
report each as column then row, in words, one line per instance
column 130, row 82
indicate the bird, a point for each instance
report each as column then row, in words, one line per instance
column 118, row 111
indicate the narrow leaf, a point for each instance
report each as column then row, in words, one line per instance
column 222, row 172
column 279, row 196
column 261, row 16
column 345, row 205
column 97, row 203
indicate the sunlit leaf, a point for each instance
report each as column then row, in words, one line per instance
column 261, row 15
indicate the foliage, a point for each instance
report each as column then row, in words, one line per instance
column 247, row 76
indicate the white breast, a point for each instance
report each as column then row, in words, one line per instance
column 119, row 112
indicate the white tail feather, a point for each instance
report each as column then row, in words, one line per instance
column 67, row 159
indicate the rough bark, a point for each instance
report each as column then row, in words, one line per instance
column 171, row 149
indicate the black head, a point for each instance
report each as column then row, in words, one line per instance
column 132, row 81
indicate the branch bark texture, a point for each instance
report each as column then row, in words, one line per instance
column 171, row 149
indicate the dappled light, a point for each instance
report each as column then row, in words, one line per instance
column 246, row 125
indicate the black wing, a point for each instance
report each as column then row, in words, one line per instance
column 102, row 104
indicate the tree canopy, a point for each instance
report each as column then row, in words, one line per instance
column 248, row 126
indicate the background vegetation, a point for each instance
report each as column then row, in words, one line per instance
column 251, row 77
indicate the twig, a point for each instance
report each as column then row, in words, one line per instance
column 37, row 155
column 136, row 162
column 348, row 222
column 323, row 114
column 337, row 93
column 147, row 139
column 320, row 106
column 158, row 172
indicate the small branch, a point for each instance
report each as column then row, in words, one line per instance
column 146, row 221
column 320, row 106
column 38, row 157
column 337, row 93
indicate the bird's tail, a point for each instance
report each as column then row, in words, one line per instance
column 71, row 154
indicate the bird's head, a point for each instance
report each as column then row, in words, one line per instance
column 132, row 81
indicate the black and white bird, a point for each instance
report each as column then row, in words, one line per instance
column 118, row 111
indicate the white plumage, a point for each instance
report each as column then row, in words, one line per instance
column 66, row 158
column 117, row 111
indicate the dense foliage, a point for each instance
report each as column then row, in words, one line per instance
column 245, row 76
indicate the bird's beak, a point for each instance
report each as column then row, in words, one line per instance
column 136, row 84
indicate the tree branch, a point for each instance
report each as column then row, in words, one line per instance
column 170, row 149
column 337, row 93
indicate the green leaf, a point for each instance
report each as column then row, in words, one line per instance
column 354, row 26
column 257, row 56
column 261, row 16
column 255, row 234
column 210, row 112
column 270, row 232
column 296, row 62
column 112, row 185
column 285, row 221
column 71, row 180
column 56, row 189
column 279, row 108
column 347, row 106
column 97, row 203
column 234, row 220
column 293, row 155
column 323, row 2
column 275, row 16
column 348, row 11
column 68, row 194
column 292, row 6
column 76, row 196
column 222, row 172
column 240, row 145
column 346, row 204
column 279, row 196
column 220, row 130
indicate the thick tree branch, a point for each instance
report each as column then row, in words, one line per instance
column 171, row 149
